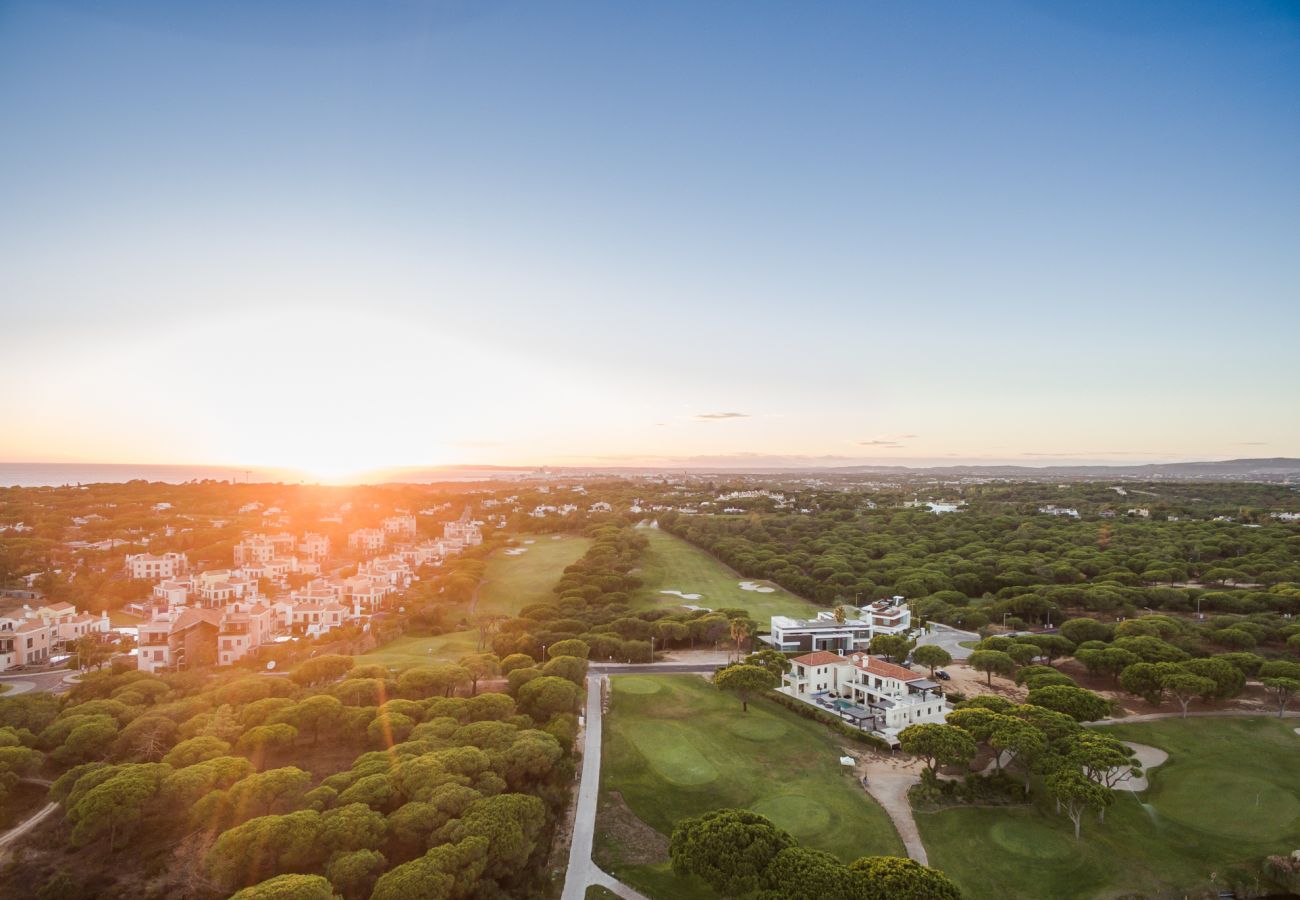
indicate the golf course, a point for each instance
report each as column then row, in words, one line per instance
column 675, row 746
column 515, row 577
column 527, row 573
column 1228, row 796
column 694, row 577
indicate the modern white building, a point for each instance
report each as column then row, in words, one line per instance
column 854, row 633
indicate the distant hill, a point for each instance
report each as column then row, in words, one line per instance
column 1277, row 467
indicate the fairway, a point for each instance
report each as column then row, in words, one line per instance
column 1228, row 796
column 411, row 650
column 672, row 564
column 517, row 579
column 686, row 748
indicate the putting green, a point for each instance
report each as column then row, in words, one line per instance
column 636, row 684
column 671, row 753
column 1263, row 811
column 1029, row 839
column 757, row 729
column 802, row 817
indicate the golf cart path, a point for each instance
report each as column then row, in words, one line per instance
column 31, row 821
column 1208, row 714
column 582, row 870
column 888, row 781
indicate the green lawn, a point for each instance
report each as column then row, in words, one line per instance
column 596, row 892
column 672, row 564
column 411, row 650
column 675, row 746
column 512, row 582
column 119, row 619
column 1228, row 796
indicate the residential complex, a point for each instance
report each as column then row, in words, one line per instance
column 31, row 635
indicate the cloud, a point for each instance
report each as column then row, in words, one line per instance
column 714, row 417
column 892, row 441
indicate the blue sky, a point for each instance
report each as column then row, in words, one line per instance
column 341, row 236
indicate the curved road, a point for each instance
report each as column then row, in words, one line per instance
column 582, row 870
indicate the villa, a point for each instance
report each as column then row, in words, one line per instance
column 149, row 566
column 873, row 694
column 855, row 633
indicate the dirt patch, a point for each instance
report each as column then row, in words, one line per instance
column 626, row 840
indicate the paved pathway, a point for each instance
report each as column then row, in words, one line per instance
column 949, row 639
column 582, row 870
column 16, row 687
column 1207, row 714
column 889, row 783
column 27, row 824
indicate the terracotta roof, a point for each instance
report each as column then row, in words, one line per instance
column 885, row 669
column 819, row 658
column 192, row 617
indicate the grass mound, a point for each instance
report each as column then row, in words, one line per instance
column 668, row 748
column 755, row 729
column 1261, row 811
column 803, row 817
column 1024, row 838
column 636, row 684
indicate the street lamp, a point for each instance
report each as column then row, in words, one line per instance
column 652, row 648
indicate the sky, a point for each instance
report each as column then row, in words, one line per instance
column 335, row 237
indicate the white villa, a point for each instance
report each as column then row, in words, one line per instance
column 873, row 694
column 151, row 566
column 854, row 633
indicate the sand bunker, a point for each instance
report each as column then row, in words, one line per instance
column 1149, row 758
column 531, row 542
column 756, row 587
column 684, row 596
column 514, row 551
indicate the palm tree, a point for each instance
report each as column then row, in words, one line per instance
column 841, row 616
column 740, row 630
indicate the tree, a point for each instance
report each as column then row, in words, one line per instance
column 1050, row 645
column 1081, row 630
column 449, row 870
column 744, row 681
column 1104, row 760
column 195, row 750
column 1282, row 690
column 260, row 794
column 91, row 651
column 799, row 873
column 774, row 661
column 115, row 807
column 893, row 647
column 992, row 662
column 289, row 887
column 729, row 849
column 1019, row 740
column 1076, row 793
column 938, row 744
column 314, row 714
column 1106, row 660
column 265, row 738
column 741, row 629
column 547, row 695
column 571, row 668
column 1078, row 703
column 266, row 846
column 320, row 669
column 517, row 661
column 354, row 874
column 1147, row 680
column 424, row 681
column 1184, row 687
column 894, row 878
column 479, row 666
column 571, row 647
column 1229, row 681
column 931, row 656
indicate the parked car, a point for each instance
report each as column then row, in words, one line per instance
column 942, row 675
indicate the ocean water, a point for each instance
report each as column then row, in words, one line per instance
column 59, row 474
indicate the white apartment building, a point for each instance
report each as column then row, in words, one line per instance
column 153, row 567
column 854, row 633
column 367, row 540
column 314, row 546
column 401, row 526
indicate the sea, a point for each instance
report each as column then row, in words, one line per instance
column 19, row 474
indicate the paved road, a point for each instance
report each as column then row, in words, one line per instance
column 949, row 639
column 889, row 784
column 50, row 680
column 582, row 870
